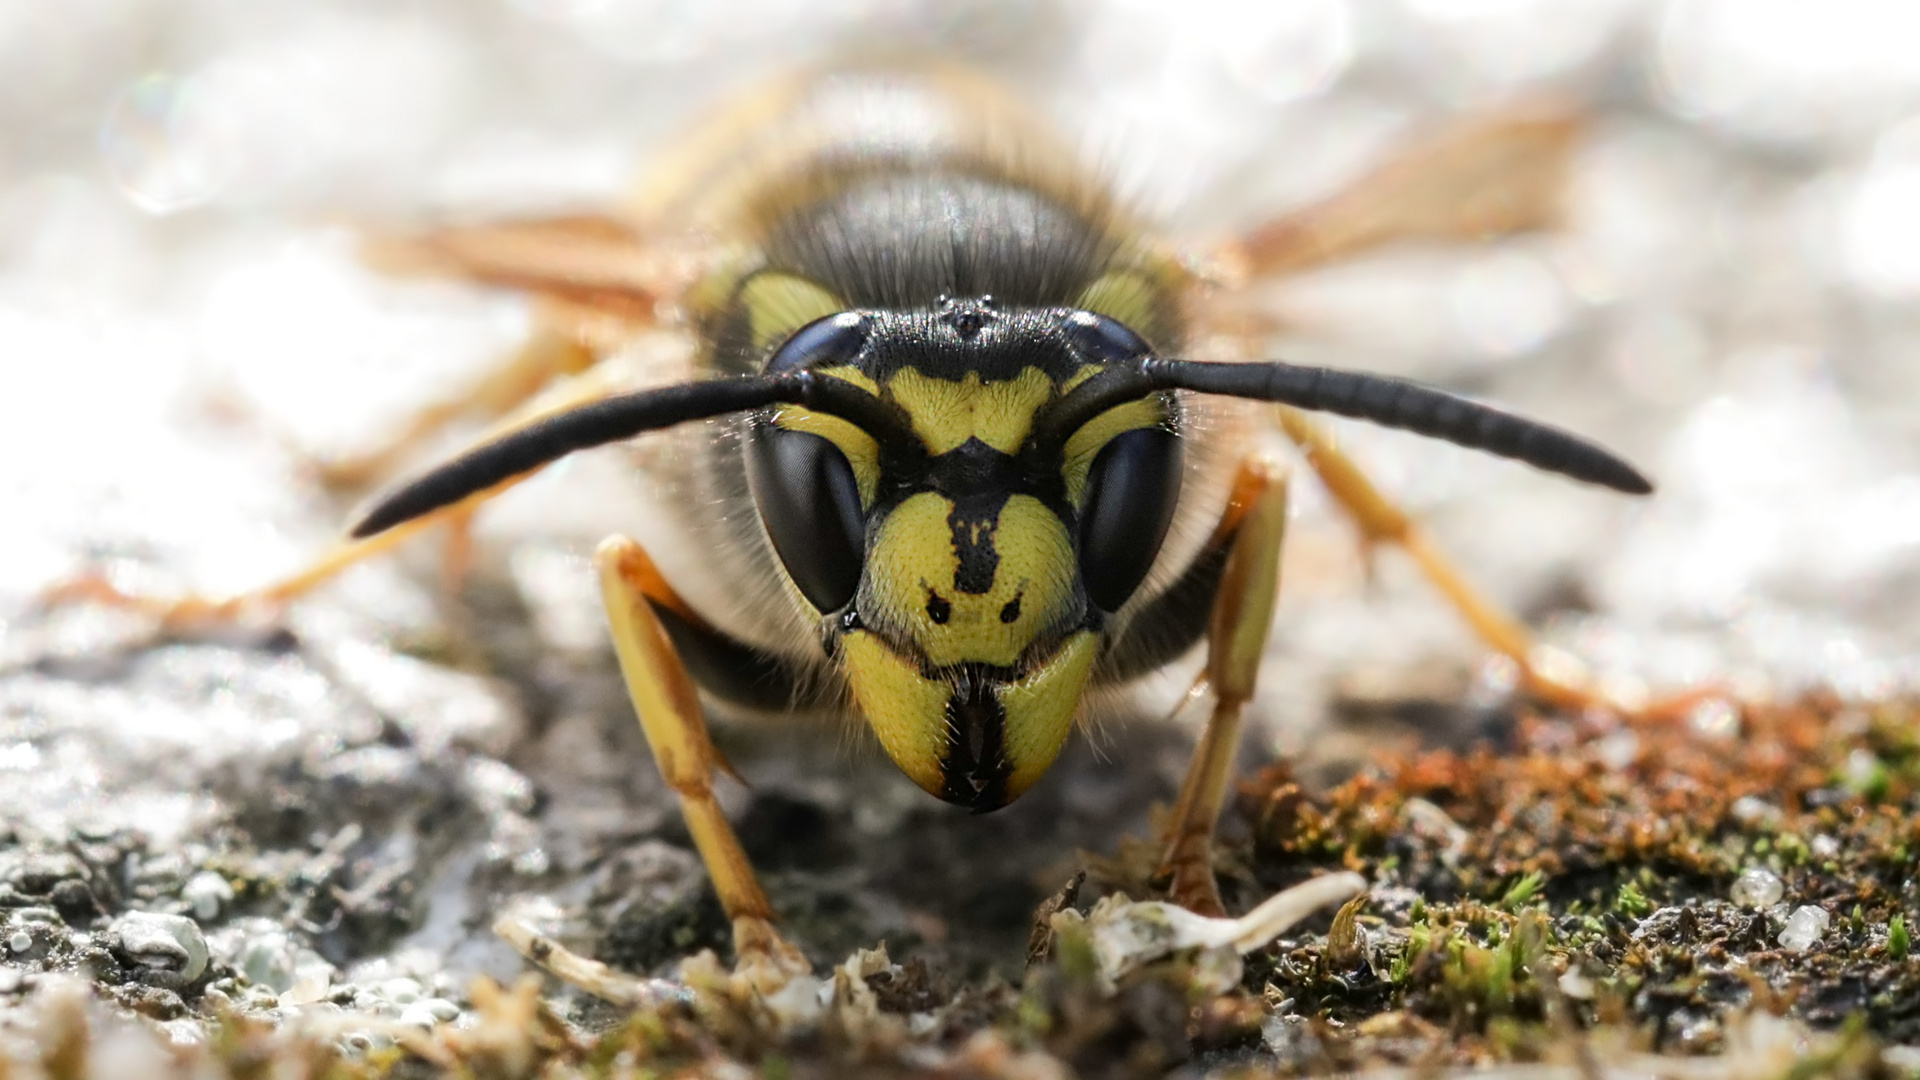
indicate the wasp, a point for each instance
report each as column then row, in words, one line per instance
column 957, row 444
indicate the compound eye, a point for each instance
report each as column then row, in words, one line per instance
column 811, row 506
column 834, row 339
column 1101, row 340
column 1131, row 491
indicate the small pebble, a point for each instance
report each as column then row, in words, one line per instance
column 401, row 990
column 1757, row 887
column 1804, row 928
column 1824, row 846
column 1753, row 810
column 1701, row 1033
column 430, row 1011
column 1291, row 1039
column 170, row 943
column 1576, row 985
column 20, row 941
column 532, row 862
column 1618, row 749
column 206, row 893
column 1715, row 718
column 1861, row 770
column 1496, row 680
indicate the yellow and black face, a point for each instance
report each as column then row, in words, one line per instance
column 964, row 573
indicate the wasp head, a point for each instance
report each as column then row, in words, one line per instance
column 963, row 567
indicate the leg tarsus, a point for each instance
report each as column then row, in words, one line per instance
column 1236, row 643
column 186, row 613
column 1187, row 865
column 169, row 615
column 1381, row 522
column 1548, row 674
column 456, row 560
column 762, row 958
column 670, row 715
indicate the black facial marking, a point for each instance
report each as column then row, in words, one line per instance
column 974, row 468
column 974, row 521
column 974, row 771
column 1011, row 612
column 939, row 609
column 978, row 479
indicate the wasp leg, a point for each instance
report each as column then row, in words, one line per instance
column 178, row 613
column 1236, row 640
column 669, row 708
column 181, row 612
column 1488, row 177
column 595, row 262
column 1380, row 521
column 596, row 280
column 546, row 356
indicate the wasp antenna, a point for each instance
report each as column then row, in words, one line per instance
column 1391, row 402
column 1401, row 404
column 612, row 419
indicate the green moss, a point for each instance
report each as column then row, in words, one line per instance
column 1522, row 891
column 1793, row 850
column 1632, row 903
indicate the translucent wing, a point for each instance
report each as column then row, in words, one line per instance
column 1490, row 176
column 592, row 261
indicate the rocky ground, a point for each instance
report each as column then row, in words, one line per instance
column 1726, row 892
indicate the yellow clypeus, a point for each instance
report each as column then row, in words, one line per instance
column 912, row 587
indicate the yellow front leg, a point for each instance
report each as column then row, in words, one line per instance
column 676, row 729
column 1256, row 517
